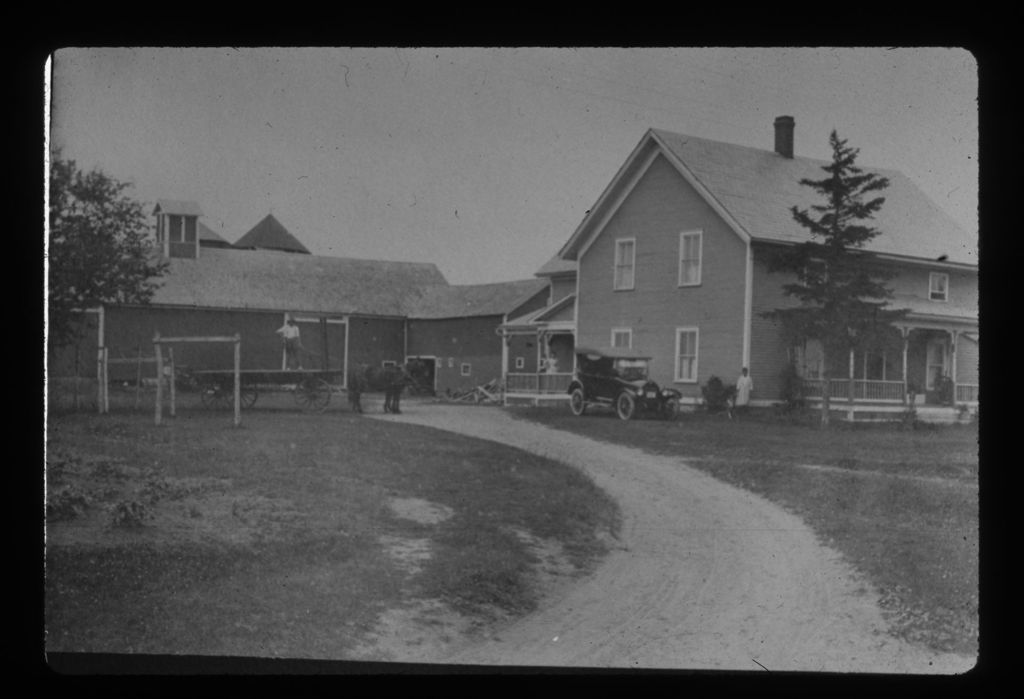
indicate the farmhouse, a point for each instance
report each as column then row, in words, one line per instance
column 350, row 311
column 671, row 261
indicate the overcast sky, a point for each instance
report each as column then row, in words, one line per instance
column 483, row 161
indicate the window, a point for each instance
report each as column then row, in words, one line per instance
column 465, row 369
column 689, row 258
column 387, row 364
column 809, row 359
column 520, row 362
column 938, row 286
column 625, row 263
column 686, row 355
column 622, row 337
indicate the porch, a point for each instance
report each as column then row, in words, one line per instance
column 930, row 363
column 539, row 357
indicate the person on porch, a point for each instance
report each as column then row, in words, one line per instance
column 744, row 385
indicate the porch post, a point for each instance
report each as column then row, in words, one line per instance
column 905, row 332
column 850, row 400
column 952, row 361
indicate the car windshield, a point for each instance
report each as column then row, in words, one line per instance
column 631, row 369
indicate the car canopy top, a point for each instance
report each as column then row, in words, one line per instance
column 612, row 352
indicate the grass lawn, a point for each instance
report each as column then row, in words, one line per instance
column 901, row 506
column 285, row 537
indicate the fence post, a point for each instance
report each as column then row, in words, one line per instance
column 159, row 377
column 238, row 380
column 106, row 380
column 138, row 378
column 99, row 380
column 170, row 358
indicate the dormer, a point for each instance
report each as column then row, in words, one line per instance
column 177, row 228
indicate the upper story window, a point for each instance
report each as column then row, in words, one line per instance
column 625, row 263
column 690, row 244
column 622, row 337
column 938, row 286
column 686, row 354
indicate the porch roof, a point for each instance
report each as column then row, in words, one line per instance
column 561, row 313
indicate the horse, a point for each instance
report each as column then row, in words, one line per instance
column 391, row 379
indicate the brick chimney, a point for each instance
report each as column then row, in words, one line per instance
column 784, row 136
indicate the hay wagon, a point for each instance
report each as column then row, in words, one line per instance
column 311, row 388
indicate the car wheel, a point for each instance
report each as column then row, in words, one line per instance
column 625, row 405
column 671, row 409
column 577, row 403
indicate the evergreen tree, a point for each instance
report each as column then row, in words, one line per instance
column 840, row 285
column 99, row 250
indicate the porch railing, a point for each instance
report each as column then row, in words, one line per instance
column 863, row 389
column 537, row 383
column 967, row 393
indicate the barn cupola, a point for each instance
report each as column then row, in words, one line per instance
column 177, row 228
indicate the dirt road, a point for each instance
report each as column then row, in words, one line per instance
column 706, row 576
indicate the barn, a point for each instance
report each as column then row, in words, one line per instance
column 350, row 311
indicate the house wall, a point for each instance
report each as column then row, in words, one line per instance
column 769, row 355
column 562, row 286
column 967, row 360
column 660, row 206
column 458, row 341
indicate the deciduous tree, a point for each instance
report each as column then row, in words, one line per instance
column 99, row 251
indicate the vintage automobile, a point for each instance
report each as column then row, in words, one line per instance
column 618, row 378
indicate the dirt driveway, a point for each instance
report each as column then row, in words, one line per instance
column 706, row 576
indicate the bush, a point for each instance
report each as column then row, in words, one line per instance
column 130, row 514
column 792, row 389
column 717, row 395
column 65, row 503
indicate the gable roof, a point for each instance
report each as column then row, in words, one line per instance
column 474, row 299
column 754, row 189
column 269, row 280
column 208, row 236
column 561, row 313
column 556, row 266
column 270, row 234
column 177, row 207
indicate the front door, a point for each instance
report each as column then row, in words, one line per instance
column 936, row 367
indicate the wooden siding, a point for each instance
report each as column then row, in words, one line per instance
column 660, row 206
column 457, row 341
column 768, row 354
column 375, row 340
column 524, row 346
column 967, row 360
column 562, row 287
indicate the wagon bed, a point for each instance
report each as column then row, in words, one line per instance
column 311, row 388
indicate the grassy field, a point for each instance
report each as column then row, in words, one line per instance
column 289, row 536
column 901, row 506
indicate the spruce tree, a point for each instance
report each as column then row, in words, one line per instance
column 840, row 285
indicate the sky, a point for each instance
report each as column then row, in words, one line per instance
column 482, row 161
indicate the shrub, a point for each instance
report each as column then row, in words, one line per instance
column 65, row 503
column 792, row 389
column 130, row 514
column 717, row 395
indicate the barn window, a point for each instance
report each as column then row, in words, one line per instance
column 625, row 264
column 520, row 362
column 387, row 364
column 466, row 369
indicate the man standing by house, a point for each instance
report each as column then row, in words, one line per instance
column 744, row 385
column 292, row 344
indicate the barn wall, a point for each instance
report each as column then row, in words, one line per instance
column 375, row 340
column 458, row 341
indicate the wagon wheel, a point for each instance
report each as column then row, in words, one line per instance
column 625, row 405
column 313, row 394
column 248, row 396
column 577, row 402
column 214, row 395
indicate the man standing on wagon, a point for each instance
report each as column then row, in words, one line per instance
column 292, row 344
